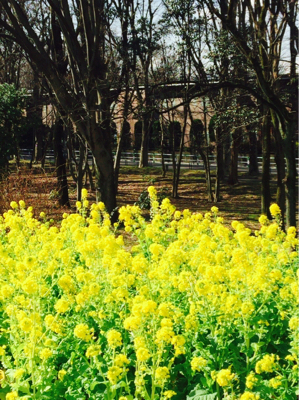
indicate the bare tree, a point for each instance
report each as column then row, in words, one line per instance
column 85, row 96
column 261, row 45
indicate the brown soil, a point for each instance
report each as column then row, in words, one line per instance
column 37, row 188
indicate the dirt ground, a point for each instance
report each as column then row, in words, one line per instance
column 37, row 188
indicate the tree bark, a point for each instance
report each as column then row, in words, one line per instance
column 234, row 153
column 265, row 184
column 100, row 145
column 60, row 164
column 219, row 164
column 290, row 178
column 253, row 161
column 177, row 177
column 280, row 168
column 143, row 161
column 162, row 147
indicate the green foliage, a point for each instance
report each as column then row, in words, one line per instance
column 201, row 395
column 13, row 124
column 144, row 201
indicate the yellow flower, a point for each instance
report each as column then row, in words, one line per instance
column 165, row 334
column 294, row 323
column 169, row 394
column 249, row 396
column 161, row 375
column 30, row 286
column 14, row 205
column 263, row 220
column 61, row 374
column 224, row 377
column 139, row 341
column 247, row 308
column 66, row 283
column 120, row 360
column 45, row 353
column 2, row 375
column 12, row 396
column 113, row 374
column 275, row 210
column 152, row 192
column 83, row 332
column 142, row 354
column 177, row 215
column 198, row 363
column 114, row 338
column 52, row 324
column 275, row 382
column 93, row 351
column 251, row 380
column 149, row 307
column 22, row 204
column 19, row 373
column 84, row 194
column 2, row 350
column 26, row 324
column 266, row 364
column 290, row 357
column 291, row 231
column 62, row 306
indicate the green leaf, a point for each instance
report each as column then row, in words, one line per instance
column 24, row 387
column 95, row 383
column 201, row 395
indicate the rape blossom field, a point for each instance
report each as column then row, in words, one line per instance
column 193, row 311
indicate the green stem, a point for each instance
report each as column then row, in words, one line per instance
column 218, row 391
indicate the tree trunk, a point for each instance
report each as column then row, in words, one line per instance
column 177, row 178
column 100, row 145
column 253, row 161
column 265, row 186
column 122, row 132
column 219, row 164
column 206, row 162
column 80, row 170
column 234, row 153
column 60, row 164
column 143, row 161
column 280, row 167
column 290, row 179
column 227, row 153
column 90, row 178
column 173, row 156
column 118, row 158
column 162, row 147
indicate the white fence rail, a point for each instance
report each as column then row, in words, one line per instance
column 189, row 161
